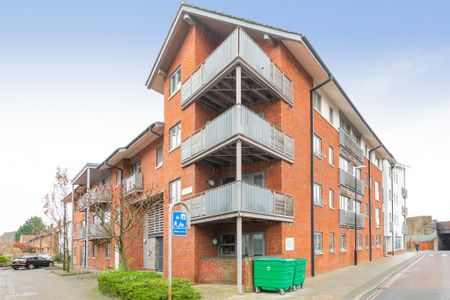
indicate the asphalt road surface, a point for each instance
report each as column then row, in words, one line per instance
column 40, row 284
column 427, row 278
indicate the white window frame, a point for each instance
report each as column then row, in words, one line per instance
column 318, row 243
column 331, row 198
column 94, row 251
column 317, row 102
column 331, row 156
column 343, row 242
column 377, row 190
column 175, row 81
column 175, row 136
column 331, row 115
column 331, row 241
column 317, row 146
column 378, row 241
column 317, row 194
column 108, row 250
column 159, row 156
column 377, row 217
column 175, row 190
column 359, row 244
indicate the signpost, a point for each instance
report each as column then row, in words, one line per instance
column 178, row 223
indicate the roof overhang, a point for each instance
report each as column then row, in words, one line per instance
column 221, row 25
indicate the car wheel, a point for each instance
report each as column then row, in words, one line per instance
column 31, row 266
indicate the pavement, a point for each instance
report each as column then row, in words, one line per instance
column 346, row 283
column 426, row 278
column 41, row 284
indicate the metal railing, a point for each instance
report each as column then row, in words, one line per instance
column 237, row 44
column 96, row 231
column 95, row 195
column 404, row 211
column 347, row 219
column 225, row 126
column 351, row 145
column 255, row 199
column 404, row 193
column 348, row 180
column 132, row 183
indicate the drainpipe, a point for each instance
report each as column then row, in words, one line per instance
column 370, row 202
column 311, row 136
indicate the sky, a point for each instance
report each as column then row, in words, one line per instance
column 72, row 77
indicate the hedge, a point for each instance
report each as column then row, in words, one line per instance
column 5, row 261
column 137, row 285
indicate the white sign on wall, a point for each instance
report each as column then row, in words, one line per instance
column 186, row 191
column 289, row 244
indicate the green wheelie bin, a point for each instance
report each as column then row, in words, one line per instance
column 299, row 273
column 273, row 274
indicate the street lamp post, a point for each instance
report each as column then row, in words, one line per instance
column 356, row 216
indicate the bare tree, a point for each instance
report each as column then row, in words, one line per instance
column 55, row 208
column 119, row 213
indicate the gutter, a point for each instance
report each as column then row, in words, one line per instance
column 311, row 136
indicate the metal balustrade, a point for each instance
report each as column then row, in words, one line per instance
column 132, row 184
column 225, row 126
column 96, row 231
column 347, row 219
column 95, row 195
column 404, row 193
column 404, row 211
column 348, row 180
column 255, row 199
column 351, row 145
column 405, row 229
column 237, row 44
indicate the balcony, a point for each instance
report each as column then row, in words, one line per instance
column 95, row 196
column 96, row 232
column 346, row 141
column 347, row 219
column 237, row 46
column 132, row 184
column 404, row 211
column 391, row 227
column 348, row 180
column 257, row 202
column 254, row 130
column 404, row 193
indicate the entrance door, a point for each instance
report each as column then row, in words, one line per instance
column 160, row 254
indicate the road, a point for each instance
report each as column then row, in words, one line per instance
column 427, row 278
column 40, row 284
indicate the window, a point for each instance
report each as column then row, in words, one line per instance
column 105, row 181
column 175, row 136
column 331, row 198
column 377, row 161
column 359, row 242
column 344, row 202
column 377, row 191
column 159, row 156
column 378, row 241
column 331, row 155
column 318, row 246
column 367, row 241
column 254, row 178
column 94, row 251
column 317, row 146
column 227, row 245
column 343, row 242
column 344, row 164
column 253, row 244
column 398, row 243
column 175, row 190
column 317, row 194
column 118, row 177
column 317, row 102
column 175, row 81
column 135, row 168
column 107, row 217
column 97, row 220
column 108, row 250
column 331, row 115
column 331, row 237
column 377, row 217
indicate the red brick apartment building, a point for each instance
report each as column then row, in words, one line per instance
column 264, row 146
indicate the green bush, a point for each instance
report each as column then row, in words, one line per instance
column 137, row 285
column 5, row 261
column 58, row 258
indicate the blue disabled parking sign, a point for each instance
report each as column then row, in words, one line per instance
column 179, row 223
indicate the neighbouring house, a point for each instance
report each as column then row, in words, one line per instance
column 263, row 145
column 422, row 231
column 395, row 208
column 25, row 238
column 46, row 243
column 7, row 240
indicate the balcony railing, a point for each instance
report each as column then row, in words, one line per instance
column 96, row 231
column 94, row 196
column 348, row 180
column 347, row 219
column 391, row 226
column 405, row 229
column 237, row 44
column 132, row 184
column 351, row 145
column 225, row 126
column 404, row 211
column 404, row 193
column 255, row 200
